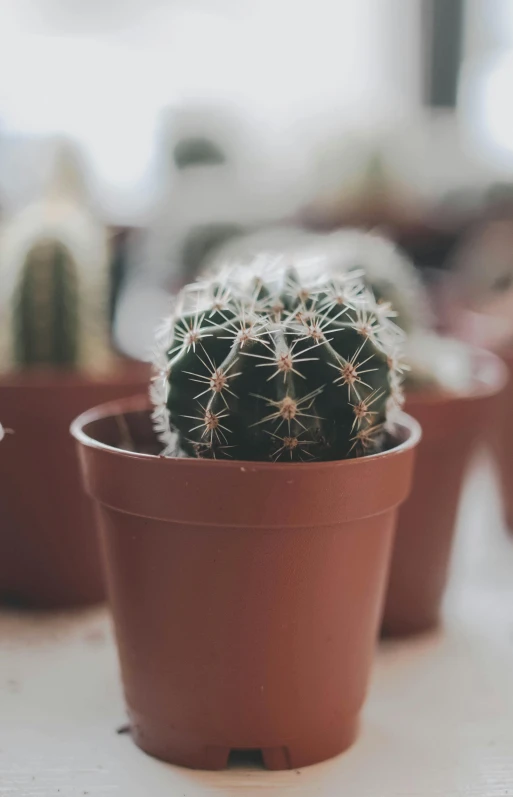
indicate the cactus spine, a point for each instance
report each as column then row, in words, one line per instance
column 268, row 362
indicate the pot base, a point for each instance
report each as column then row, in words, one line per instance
column 176, row 748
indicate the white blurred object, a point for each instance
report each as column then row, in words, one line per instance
column 4, row 431
column 140, row 309
column 286, row 240
column 251, row 182
column 438, row 362
column 256, row 182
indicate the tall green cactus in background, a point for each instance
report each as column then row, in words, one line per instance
column 54, row 268
column 269, row 362
column 48, row 281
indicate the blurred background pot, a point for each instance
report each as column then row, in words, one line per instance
column 246, row 595
column 493, row 330
column 49, row 555
column 452, row 428
column 504, row 443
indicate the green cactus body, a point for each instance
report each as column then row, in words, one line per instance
column 46, row 313
column 265, row 362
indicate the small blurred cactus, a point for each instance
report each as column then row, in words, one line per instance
column 45, row 311
column 54, row 262
column 270, row 362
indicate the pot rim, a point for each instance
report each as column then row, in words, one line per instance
column 141, row 403
column 489, row 366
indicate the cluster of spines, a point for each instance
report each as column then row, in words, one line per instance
column 246, row 305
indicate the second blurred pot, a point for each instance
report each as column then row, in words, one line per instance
column 452, row 428
column 49, row 555
column 504, row 443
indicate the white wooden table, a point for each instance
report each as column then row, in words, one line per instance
column 438, row 722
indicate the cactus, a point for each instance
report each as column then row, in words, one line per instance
column 47, row 280
column 270, row 362
column 388, row 272
column 390, row 275
column 54, row 290
column 430, row 361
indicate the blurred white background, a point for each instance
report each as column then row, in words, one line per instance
column 299, row 72
column 102, row 70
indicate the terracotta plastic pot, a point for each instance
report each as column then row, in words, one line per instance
column 503, row 443
column 49, row 556
column 452, row 427
column 246, row 595
column 494, row 331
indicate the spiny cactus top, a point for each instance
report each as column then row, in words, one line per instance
column 267, row 362
column 433, row 362
column 389, row 273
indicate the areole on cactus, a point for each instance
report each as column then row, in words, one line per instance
column 271, row 362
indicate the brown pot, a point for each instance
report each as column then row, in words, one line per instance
column 452, row 427
column 48, row 551
column 503, row 443
column 246, row 595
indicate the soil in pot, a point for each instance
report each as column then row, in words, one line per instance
column 452, row 427
column 246, row 595
column 49, row 554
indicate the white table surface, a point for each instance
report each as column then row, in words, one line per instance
column 438, row 721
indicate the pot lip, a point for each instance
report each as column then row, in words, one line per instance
column 49, row 378
column 141, row 404
column 486, row 360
